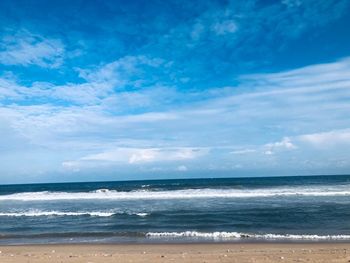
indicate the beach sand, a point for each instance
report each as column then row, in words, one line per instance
column 270, row 252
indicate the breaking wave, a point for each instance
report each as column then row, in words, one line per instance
column 237, row 235
column 342, row 190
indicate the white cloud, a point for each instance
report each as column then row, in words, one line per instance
column 119, row 71
column 243, row 151
column 135, row 155
column 144, row 155
column 100, row 83
column 9, row 89
column 26, row 49
column 286, row 143
column 327, row 75
column 283, row 145
column 86, row 93
column 326, row 139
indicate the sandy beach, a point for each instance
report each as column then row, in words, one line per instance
column 271, row 252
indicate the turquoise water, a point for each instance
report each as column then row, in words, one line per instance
column 313, row 208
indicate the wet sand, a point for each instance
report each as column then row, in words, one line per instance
column 263, row 252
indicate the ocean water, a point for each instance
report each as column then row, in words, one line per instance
column 309, row 208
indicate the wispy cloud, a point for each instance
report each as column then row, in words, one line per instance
column 243, row 151
column 224, row 27
column 99, row 83
column 134, row 156
column 25, row 48
column 270, row 100
column 119, row 72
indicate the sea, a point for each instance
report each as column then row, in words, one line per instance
column 270, row 209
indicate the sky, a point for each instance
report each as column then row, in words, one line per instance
column 117, row 90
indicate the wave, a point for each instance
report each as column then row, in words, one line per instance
column 237, row 235
column 61, row 213
column 179, row 194
column 142, row 214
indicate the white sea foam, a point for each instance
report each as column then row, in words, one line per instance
column 237, row 235
column 36, row 213
column 343, row 190
column 142, row 214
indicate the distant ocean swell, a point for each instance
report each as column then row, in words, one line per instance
column 179, row 194
column 61, row 213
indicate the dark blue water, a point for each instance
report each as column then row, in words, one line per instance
column 246, row 209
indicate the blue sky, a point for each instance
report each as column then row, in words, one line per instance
column 117, row 90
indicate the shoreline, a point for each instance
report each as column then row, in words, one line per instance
column 194, row 252
column 189, row 243
column 307, row 243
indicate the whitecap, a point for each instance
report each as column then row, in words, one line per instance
column 321, row 191
column 237, row 235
